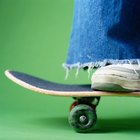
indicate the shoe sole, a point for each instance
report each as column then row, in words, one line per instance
column 114, row 83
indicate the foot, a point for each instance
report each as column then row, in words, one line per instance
column 120, row 77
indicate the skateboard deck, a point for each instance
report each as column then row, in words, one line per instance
column 82, row 117
column 51, row 88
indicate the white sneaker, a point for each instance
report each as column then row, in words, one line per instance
column 120, row 77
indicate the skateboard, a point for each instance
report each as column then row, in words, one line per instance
column 82, row 116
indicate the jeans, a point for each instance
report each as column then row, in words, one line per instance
column 104, row 32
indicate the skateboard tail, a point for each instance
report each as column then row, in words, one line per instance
column 26, row 85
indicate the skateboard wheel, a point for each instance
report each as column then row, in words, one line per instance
column 82, row 118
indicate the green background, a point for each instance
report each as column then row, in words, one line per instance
column 34, row 37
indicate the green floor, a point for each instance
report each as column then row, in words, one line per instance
column 34, row 38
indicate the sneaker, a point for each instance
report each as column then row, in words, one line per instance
column 120, row 77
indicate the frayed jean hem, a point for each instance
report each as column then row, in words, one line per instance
column 97, row 64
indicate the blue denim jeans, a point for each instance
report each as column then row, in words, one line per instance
column 104, row 32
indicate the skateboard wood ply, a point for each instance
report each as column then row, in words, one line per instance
column 51, row 88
